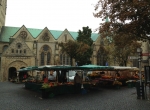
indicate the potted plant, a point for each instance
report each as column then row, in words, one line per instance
column 44, row 89
column 117, row 84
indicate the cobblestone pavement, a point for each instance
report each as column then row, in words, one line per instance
column 16, row 97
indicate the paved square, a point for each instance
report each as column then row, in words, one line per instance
column 16, row 97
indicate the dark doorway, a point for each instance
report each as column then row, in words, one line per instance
column 12, row 73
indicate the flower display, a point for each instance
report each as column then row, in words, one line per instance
column 117, row 82
column 45, row 85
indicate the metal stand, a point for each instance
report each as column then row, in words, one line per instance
column 141, row 87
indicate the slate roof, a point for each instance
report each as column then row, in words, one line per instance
column 8, row 31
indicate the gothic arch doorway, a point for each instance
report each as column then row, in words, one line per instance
column 12, row 70
column 12, row 73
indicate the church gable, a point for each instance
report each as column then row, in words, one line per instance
column 18, row 48
column 45, row 36
column 65, row 36
column 23, row 33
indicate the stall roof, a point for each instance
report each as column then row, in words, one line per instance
column 95, row 67
column 55, row 67
column 29, row 68
column 124, row 68
column 68, row 67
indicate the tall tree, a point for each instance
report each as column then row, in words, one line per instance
column 119, row 51
column 129, row 16
column 85, row 37
column 73, row 48
column 129, row 22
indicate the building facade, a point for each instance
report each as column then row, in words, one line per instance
column 22, row 47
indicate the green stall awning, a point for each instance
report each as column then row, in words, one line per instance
column 95, row 67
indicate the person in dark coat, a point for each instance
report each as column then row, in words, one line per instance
column 77, row 83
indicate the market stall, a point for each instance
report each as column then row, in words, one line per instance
column 116, row 77
column 23, row 73
column 61, row 86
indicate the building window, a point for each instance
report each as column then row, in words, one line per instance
column 5, row 47
column 19, row 45
column 42, row 58
column 45, row 48
column 101, row 57
column 46, row 37
column 48, row 58
column 12, row 50
column 45, row 55
column 24, row 50
column 135, row 63
column 34, row 45
column 64, row 59
column 65, row 37
column 67, row 60
column 23, row 34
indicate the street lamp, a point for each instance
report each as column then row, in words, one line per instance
column 139, row 51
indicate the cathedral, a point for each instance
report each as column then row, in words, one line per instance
column 22, row 46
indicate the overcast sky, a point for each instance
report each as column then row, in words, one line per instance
column 54, row 14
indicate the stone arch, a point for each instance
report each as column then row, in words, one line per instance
column 12, row 69
column 18, row 64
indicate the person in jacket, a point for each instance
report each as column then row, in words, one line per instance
column 77, row 83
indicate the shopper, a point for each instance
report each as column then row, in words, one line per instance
column 77, row 83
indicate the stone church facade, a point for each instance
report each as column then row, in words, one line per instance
column 22, row 47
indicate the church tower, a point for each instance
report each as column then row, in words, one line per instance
column 3, row 6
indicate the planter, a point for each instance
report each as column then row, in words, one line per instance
column 131, row 84
column 117, row 86
column 45, row 94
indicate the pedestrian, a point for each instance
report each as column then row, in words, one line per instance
column 77, row 83
column 25, row 76
column 117, row 74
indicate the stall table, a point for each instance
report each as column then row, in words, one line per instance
column 54, row 90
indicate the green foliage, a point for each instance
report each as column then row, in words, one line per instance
column 84, row 36
column 131, row 17
column 45, row 85
column 129, row 22
column 73, row 48
column 80, row 50
column 121, row 51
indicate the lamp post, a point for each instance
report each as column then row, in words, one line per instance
column 139, row 51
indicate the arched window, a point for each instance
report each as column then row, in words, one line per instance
column 5, row 47
column 48, row 58
column 101, row 57
column 64, row 59
column 42, row 58
column 67, row 60
column 45, row 57
column 98, row 58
